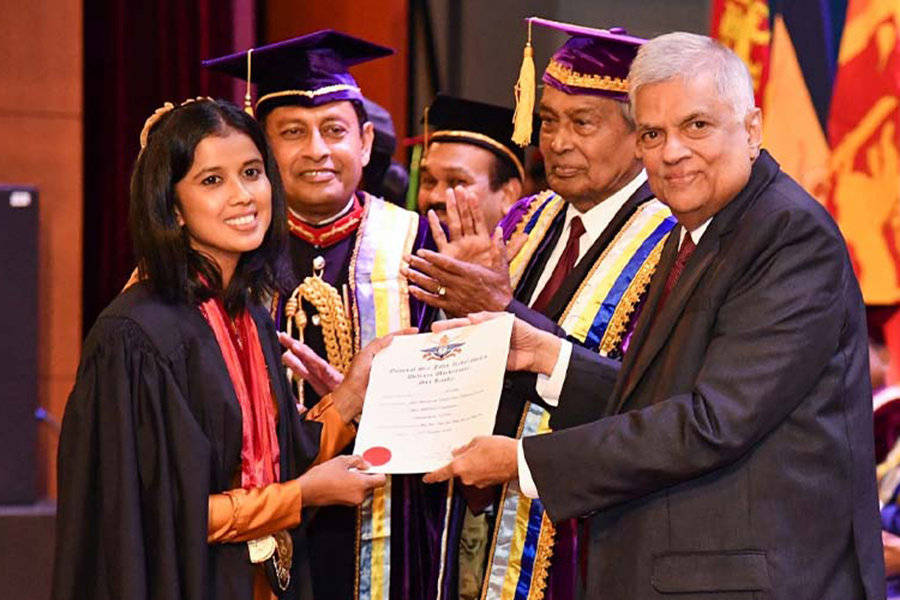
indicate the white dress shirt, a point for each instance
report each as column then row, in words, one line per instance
column 594, row 220
column 550, row 388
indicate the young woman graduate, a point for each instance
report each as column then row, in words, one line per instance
column 183, row 461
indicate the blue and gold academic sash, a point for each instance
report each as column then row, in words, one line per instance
column 597, row 316
column 387, row 234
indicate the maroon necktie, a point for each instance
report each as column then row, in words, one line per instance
column 684, row 253
column 563, row 267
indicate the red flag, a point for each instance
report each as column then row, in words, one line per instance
column 743, row 26
column 864, row 134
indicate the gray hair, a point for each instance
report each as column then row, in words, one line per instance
column 685, row 55
column 627, row 115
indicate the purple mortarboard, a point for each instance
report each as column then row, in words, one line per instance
column 592, row 62
column 309, row 70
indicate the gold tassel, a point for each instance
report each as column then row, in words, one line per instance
column 522, row 120
column 248, row 99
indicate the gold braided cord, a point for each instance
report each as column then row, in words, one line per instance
column 291, row 310
column 354, row 258
column 567, row 76
column 354, row 311
column 542, row 558
column 328, row 89
column 332, row 319
column 356, row 565
column 248, row 98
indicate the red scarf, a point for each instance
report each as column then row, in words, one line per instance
column 246, row 364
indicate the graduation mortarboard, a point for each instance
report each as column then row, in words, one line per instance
column 593, row 62
column 309, row 70
column 488, row 126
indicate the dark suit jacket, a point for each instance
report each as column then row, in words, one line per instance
column 736, row 457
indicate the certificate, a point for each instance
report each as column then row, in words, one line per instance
column 431, row 393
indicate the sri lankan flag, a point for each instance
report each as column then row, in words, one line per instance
column 827, row 76
column 864, row 135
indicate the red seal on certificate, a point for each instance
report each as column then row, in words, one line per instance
column 377, row 456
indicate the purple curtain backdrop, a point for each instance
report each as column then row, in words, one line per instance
column 138, row 55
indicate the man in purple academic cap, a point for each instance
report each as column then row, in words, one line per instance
column 313, row 114
column 589, row 245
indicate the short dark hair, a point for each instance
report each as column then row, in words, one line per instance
column 502, row 170
column 162, row 248
column 262, row 113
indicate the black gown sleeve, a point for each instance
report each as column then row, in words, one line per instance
column 133, row 477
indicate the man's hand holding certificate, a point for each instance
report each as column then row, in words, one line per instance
column 431, row 393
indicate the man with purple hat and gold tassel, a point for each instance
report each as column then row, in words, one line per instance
column 589, row 245
column 347, row 249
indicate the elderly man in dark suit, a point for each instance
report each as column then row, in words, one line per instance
column 734, row 455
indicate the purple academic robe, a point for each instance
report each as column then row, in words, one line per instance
column 417, row 510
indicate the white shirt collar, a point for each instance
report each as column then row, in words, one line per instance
column 598, row 216
column 595, row 221
column 340, row 214
column 696, row 233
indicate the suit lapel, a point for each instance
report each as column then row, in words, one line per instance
column 570, row 285
column 660, row 328
column 650, row 335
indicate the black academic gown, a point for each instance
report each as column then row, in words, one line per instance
column 151, row 429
